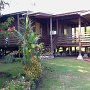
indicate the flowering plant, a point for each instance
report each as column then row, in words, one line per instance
column 18, row 84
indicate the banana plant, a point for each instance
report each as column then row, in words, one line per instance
column 31, row 50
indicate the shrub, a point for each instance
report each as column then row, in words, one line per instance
column 33, row 69
column 18, row 84
column 9, row 58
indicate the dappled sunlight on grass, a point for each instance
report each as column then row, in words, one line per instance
column 66, row 74
column 57, row 64
column 80, row 67
column 83, row 71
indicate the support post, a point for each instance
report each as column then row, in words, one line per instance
column 70, row 50
column 57, row 25
column 75, row 33
column 85, row 28
column 75, row 37
column 75, row 50
column 18, row 24
column 51, row 40
column 80, row 55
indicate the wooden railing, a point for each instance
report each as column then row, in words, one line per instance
column 72, row 40
column 9, row 41
column 67, row 39
column 57, row 40
column 85, row 38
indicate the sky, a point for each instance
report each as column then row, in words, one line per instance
column 47, row 6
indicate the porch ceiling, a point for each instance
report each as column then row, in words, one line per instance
column 72, row 18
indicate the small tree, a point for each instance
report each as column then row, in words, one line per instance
column 2, row 5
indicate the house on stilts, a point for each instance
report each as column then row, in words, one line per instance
column 66, row 34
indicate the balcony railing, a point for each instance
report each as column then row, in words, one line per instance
column 9, row 40
column 85, row 38
column 57, row 40
column 73, row 40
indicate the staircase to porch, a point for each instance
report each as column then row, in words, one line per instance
column 46, row 41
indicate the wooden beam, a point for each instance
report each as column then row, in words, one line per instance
column 79, row 35
column 79, row 25
column 57, row 25
column 51, row 35
column 85, row 28
column 18, row 24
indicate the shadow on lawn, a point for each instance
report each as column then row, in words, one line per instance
column 5, row 74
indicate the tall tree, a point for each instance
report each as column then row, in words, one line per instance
column 2, row 5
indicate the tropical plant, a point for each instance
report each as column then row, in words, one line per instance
column 31, row 51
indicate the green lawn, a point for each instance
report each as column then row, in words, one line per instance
column 65, row 74
column 58, row 74
column 10, row 70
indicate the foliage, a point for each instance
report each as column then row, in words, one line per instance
column 30, row 48
column 12, row 69
column 33, row 69
column 9, row 58
column 87, row 30
column 31, row 51
column 6, row 29
column 5, row 25
column 2, row 5
column 18, row 84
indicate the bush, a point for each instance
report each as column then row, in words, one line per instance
column 33, row 69
column 9, row 58
column 18, row 84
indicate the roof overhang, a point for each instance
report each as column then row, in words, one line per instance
column 70, row 18
column 40, row 15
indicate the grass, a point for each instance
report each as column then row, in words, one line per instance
column 58, row 74
column 65, row 74
column 11, row 70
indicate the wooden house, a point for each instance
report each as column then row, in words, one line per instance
column 57, row 32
